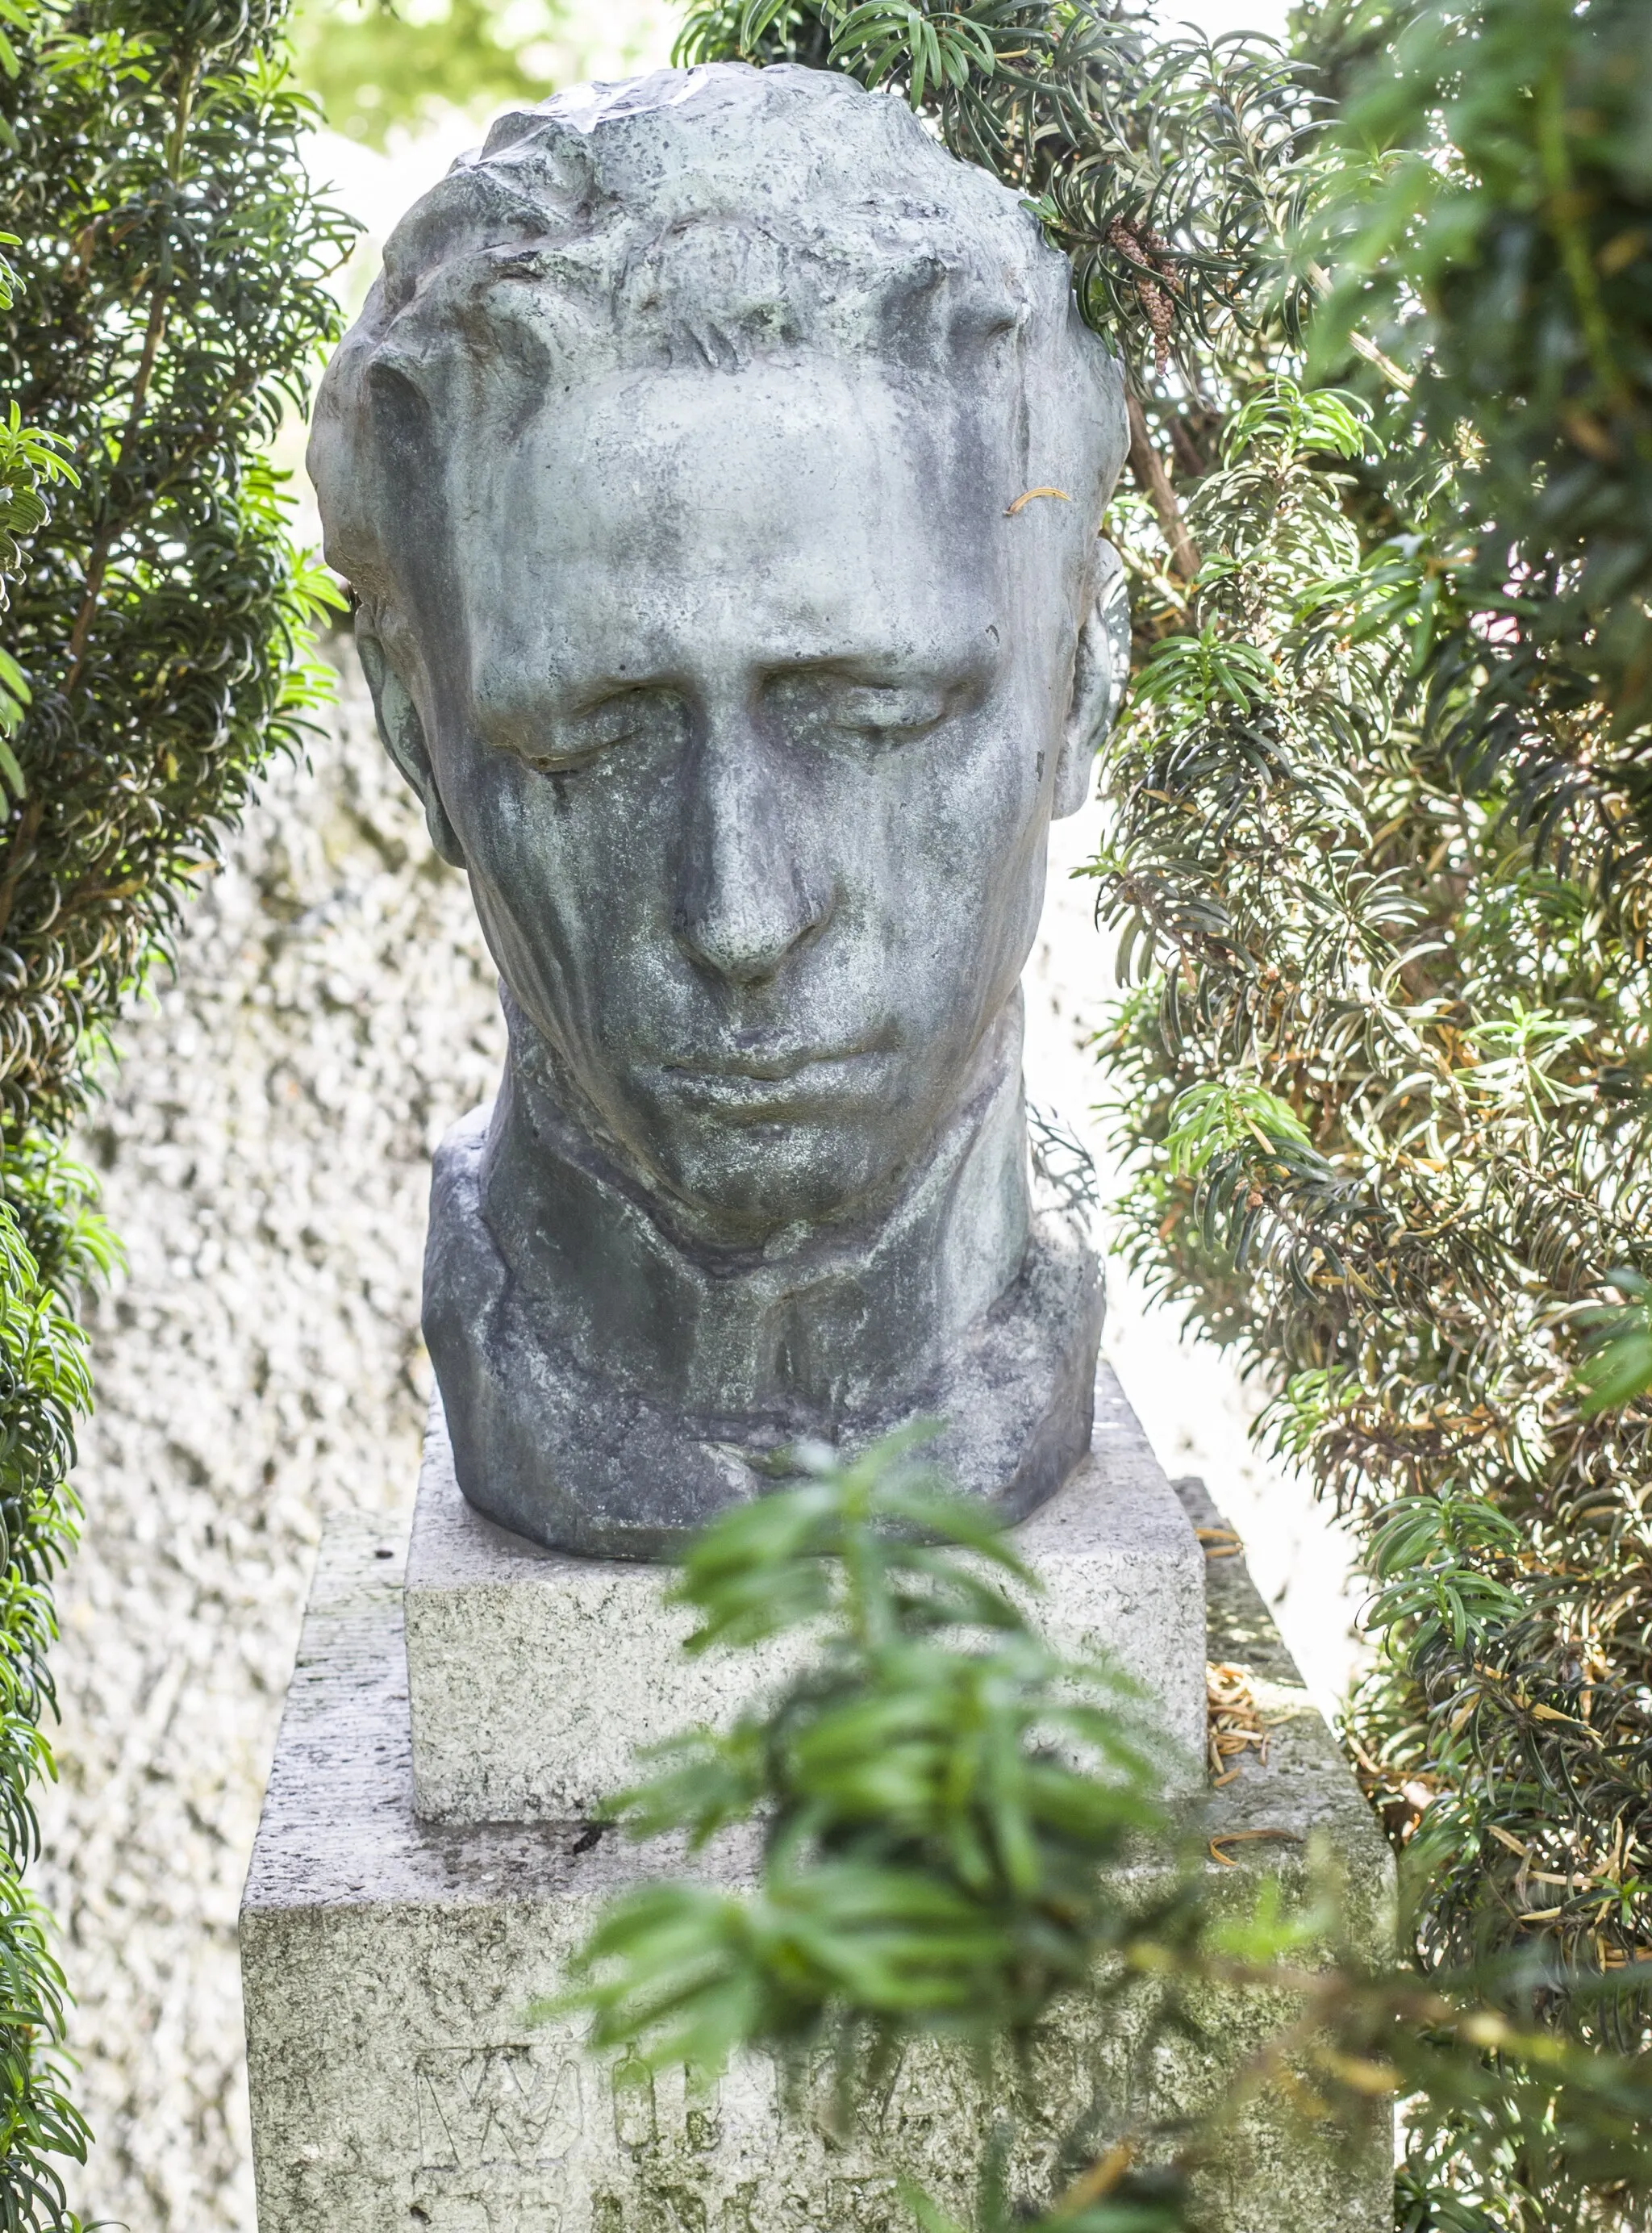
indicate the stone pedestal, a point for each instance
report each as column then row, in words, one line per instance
column 389, row 1959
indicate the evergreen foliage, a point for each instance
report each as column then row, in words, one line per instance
column 1394, row 1080
column 174, row 260
column 162, row 306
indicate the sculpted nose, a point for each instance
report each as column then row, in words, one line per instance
column 752, row 887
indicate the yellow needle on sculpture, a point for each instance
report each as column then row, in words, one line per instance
column 1011, row 511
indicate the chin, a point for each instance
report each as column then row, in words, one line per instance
column 770, row 1176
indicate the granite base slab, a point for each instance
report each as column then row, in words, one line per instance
column 534, row 1676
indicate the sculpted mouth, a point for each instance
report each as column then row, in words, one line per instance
column 753, row 1082
column 780, row 1064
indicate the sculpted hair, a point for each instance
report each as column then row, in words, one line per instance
column 700, row 219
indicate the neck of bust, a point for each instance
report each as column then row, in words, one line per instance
column 821, row 1323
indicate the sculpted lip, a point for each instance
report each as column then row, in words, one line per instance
column 784, row 1063
column 751, row 1084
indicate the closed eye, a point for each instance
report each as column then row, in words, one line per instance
column 625, row 717
column 828, row 708
column 892, row 713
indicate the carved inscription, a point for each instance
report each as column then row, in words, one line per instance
column 668, row 2109
column 496, row 2106
column 504, row 2145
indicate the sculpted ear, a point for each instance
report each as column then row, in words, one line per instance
column 403, row 736
column 1100, row 672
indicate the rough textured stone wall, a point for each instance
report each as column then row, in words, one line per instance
column 263, row 1151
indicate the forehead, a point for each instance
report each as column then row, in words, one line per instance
column 782, row 508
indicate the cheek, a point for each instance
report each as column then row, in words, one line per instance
column 567, row 886
column 964, row 828
column 945, row 891
column 562, row 847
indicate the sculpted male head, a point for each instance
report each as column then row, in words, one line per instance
column 675, row 463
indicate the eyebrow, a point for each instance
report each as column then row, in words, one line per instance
column 871, row 664
column 879, row 666
column 569, row 696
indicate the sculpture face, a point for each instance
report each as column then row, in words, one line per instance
column 748, row 736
